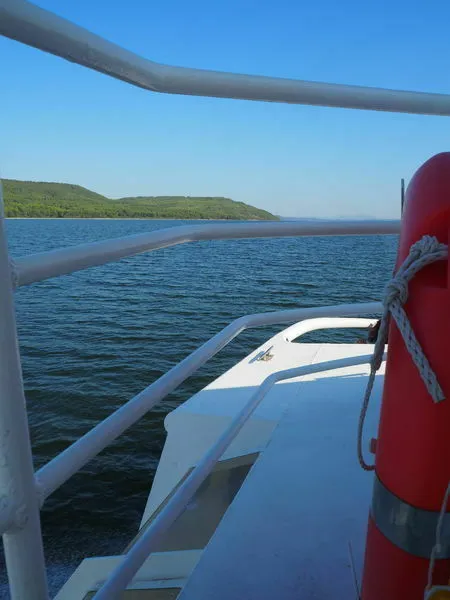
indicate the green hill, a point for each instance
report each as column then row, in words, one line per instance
column 63, row 200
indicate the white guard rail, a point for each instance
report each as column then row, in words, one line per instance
column 139, row 552
column 34, row 26
column 305, row 326
column 51, row 476
column 38, row 267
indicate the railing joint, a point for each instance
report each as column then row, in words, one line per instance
column 14, row 273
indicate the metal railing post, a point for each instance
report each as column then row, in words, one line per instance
column 23, row 541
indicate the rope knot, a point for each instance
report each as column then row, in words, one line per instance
column 424, row 252
column 426, row 245
column 396, row 290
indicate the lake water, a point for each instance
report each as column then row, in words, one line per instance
column 92, row 340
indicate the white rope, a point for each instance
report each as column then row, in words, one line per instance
column 424, row 252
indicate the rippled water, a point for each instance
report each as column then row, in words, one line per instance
column 91, row 340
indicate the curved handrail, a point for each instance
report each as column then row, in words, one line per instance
column 34, row 26
column 299, row 329
column 43, row 265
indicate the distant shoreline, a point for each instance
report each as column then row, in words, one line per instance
column 130, row 219
column 47, row 200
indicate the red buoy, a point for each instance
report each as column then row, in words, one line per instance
column 412, row 466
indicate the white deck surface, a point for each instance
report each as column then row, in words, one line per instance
column 286, row 534
column 195, row 425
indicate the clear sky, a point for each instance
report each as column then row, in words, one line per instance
column 61, row 122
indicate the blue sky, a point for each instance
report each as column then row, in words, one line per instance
column 61, row 122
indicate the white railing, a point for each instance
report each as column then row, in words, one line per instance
column 117, row 582
column 51, row 476
column 306, row 326
column 43, row 265
column 34, row 26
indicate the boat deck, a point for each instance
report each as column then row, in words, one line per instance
column 305, row 501
column 285, row 529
